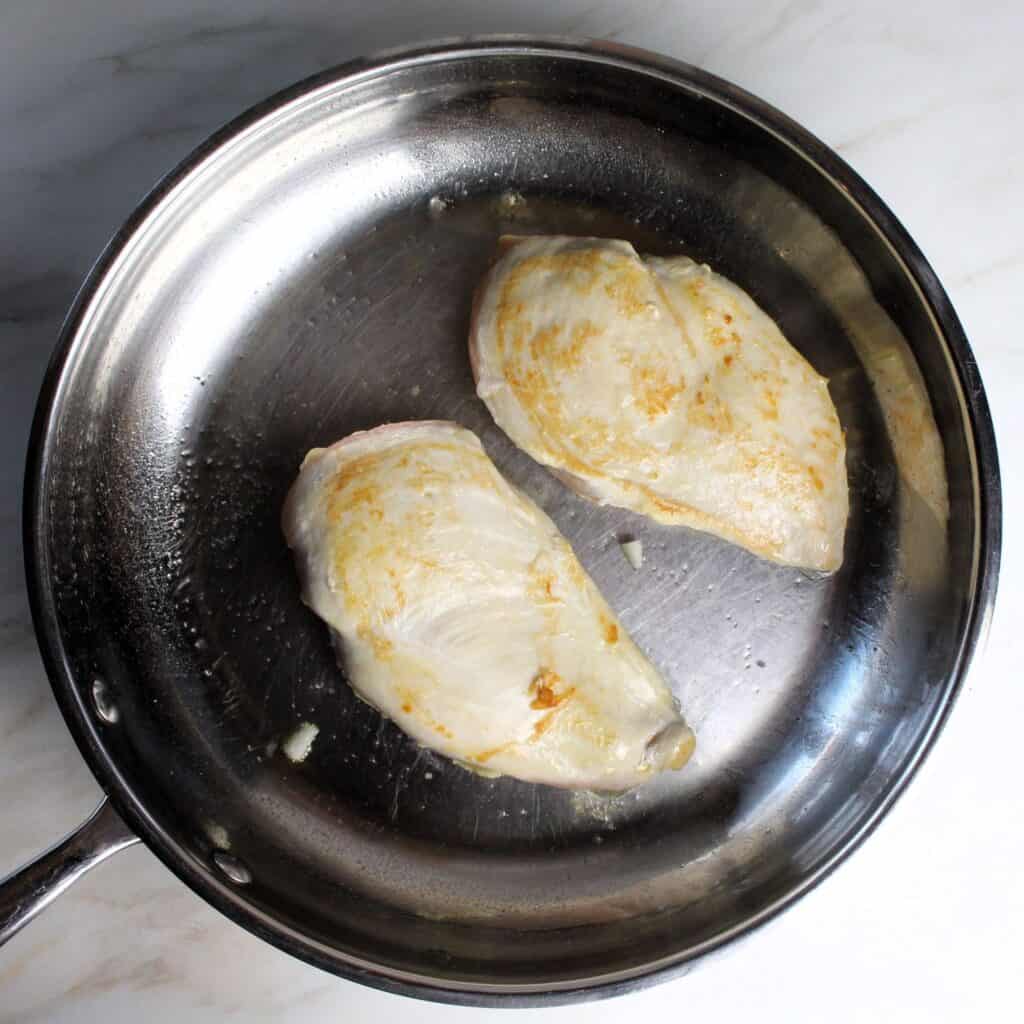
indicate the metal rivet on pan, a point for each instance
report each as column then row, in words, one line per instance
column 232, row 867
column 105, row 706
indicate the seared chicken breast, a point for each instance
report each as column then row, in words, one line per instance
column 462, row 614
column 659, row 386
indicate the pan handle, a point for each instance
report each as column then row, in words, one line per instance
column 26, row 891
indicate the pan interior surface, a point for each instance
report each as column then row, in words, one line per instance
column 312, row 275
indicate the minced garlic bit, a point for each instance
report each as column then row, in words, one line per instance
column 634, row 551
column 298, row 745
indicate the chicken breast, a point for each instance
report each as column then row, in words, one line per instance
column 659, row 386
column 462, row 614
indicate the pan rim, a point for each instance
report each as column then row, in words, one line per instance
column 644, row 64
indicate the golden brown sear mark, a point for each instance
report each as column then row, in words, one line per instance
column 548, row 690
column 611, row 631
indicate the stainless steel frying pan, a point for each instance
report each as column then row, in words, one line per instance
column 308, row 272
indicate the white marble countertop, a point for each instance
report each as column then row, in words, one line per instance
column 99, row 98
